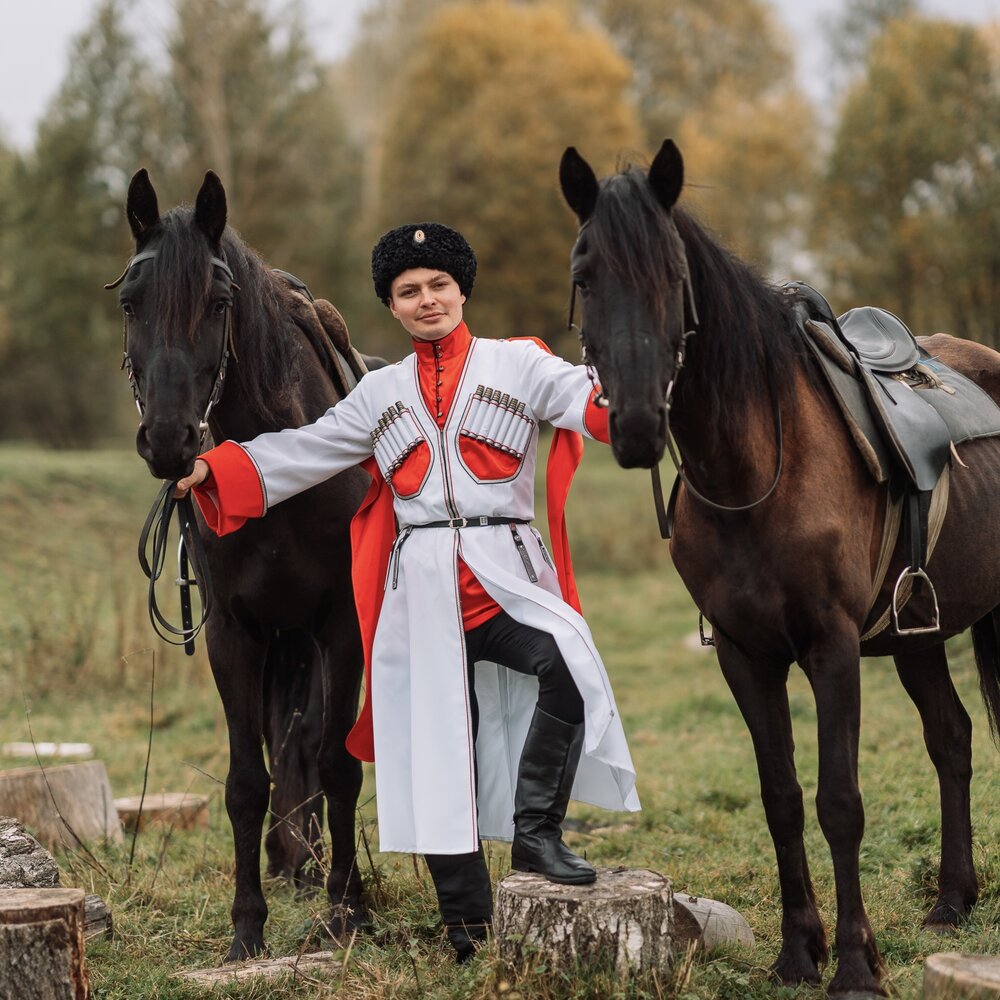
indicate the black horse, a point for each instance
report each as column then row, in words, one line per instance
column 787, row 579
column 203, row 311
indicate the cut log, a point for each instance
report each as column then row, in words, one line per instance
column 80, row 792
column 96, row 918
column 178, row 809
column 950, row 975
column 305, row 966
column 33, row 750
column 708, row 922
column 41, row 945
column 624, row 921
column 24, row 863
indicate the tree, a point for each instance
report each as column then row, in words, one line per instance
column 247, row 97
column 474, row 136
column 64, row 230
column 914, row 159
column 719, row 77
column 851, row 32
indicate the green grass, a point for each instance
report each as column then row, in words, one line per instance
column 78, row 652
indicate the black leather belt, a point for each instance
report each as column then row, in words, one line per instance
column 468, row 522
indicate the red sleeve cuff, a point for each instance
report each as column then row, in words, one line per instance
column 595, row 419
column 233, row 493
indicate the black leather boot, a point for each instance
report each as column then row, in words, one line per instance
column 465, row 899
column 544, row 781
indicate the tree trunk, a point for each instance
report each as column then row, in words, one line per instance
column 81, row 793
column 623, row 920
column 950, row 975
column 306, row 966
column 41, row 945
column 24, row 863
column 708, row 922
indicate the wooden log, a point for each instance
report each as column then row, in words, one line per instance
column 97, row 920
column 708, row 922
column 950, row 975
column 80, row 792
column 181, row 810
column 33, row 750
column 304, row 966
column 623, row 920
column 41, row 945
column 24, row 863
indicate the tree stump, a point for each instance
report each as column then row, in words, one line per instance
column 708, row 922
column 24, row 863
column 950, row 975
column 624, row 921
column 80, row 792
column 41, row 945
column 179, row 809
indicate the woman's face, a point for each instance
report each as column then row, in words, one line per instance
column 427, row 302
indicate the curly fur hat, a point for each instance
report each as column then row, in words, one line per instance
column 422, row 244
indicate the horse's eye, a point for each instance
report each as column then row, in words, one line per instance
column 219, row 307
column 581, row 284
column 128, row 310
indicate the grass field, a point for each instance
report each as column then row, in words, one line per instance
column 76, row 660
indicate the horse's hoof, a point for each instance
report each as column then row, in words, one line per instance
column 795, row 972
column 851, row 987
column 241, row 950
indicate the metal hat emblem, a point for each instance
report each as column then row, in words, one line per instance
column 419, row 236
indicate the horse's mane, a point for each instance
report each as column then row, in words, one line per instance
column 745, row 340
column 260, row 325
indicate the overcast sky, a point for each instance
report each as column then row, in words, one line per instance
column 35, row 37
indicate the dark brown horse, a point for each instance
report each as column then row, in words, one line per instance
column 282, row 638
column 789, row 579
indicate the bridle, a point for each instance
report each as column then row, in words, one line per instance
column 227, row 340
column 192, row 569
column 687, row 308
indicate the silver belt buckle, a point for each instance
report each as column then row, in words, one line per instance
column 458, row 522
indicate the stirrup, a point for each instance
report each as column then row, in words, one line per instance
column 709, row 639
column 913, row 574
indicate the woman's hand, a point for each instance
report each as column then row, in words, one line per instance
column 198, row 475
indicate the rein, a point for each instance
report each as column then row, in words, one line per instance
column 663, row 515
column 192, row 564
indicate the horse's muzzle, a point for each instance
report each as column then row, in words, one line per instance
column 638, row 436
column 168, row 447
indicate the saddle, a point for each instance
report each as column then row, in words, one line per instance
column 327, row 332
column 905, row 411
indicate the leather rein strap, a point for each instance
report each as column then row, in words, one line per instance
column 191, row 549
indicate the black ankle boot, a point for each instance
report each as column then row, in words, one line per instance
column 544, row 780
column 462, row 882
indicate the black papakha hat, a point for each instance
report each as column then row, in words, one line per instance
column 422, row 244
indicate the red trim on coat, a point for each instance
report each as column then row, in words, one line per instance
column 233, row 493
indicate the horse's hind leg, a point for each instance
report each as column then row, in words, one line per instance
column 339, row 772
column 948, row 737
column 762, row 696
column 237, row 665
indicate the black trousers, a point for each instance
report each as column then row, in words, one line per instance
column 462, row 881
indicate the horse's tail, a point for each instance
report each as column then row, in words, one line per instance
column 293, row 711
column 986, row 644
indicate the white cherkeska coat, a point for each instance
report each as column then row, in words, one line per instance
column 420, row 699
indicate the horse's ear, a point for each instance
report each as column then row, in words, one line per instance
column 140, row 204
column 210, row 208
column 666, row 174
column 579, row 185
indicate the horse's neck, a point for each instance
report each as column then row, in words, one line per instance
column 730, row 451
column 306, row 393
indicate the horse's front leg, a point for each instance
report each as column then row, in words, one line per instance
column 761, row 693
column 340, row 774
column 948, row 738
column 237, row 665
column 834, row 669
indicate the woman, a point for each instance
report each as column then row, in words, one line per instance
column 453, row 585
